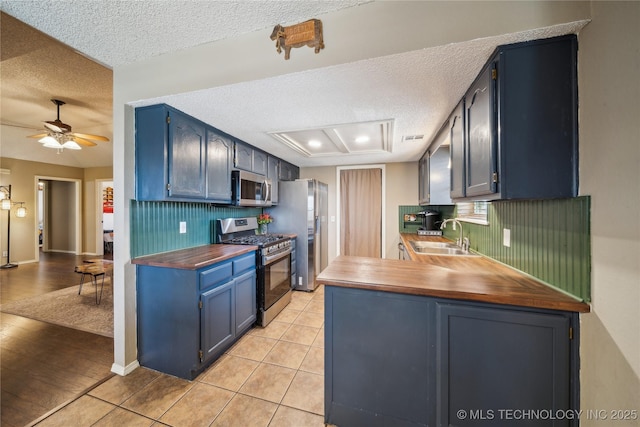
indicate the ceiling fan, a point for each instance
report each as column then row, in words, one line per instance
column 59, row 135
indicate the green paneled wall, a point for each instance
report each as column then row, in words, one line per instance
column 155, row 226
column 550, row 240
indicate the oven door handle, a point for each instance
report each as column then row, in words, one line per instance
column 267, row 259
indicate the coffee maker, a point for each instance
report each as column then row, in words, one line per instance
column 430, row 223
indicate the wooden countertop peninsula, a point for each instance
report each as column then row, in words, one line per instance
column 454, row 277
column 194, row 258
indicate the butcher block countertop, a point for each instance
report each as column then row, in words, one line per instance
column 454, row 277
column 194, row 258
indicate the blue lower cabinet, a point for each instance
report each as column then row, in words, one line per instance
column 405, row 360
column 188, row 318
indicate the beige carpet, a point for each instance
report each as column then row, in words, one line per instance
column 66, row 308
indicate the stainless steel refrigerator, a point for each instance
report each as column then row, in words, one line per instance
column 302, row 209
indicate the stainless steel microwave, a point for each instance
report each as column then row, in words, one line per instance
column 250, row 189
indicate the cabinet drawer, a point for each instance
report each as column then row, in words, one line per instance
column 218, row 274
column 247, row 262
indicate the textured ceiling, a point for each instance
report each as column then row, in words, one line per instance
column 416, row 89
column 104, row 29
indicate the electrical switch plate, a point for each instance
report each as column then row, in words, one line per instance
column 506, row 237
column 183, row 227
column 4, row 253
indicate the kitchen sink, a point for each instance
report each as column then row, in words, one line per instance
column 438, row 248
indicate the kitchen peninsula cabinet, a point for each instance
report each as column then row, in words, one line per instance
column 520, row 137
column 406, row 360
column 413, row 344
column 179, row 158
column 188, row 317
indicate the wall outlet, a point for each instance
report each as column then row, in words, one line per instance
column 183, row 227
column 506, row 237
column 5, row 254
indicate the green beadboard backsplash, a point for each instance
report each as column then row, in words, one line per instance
column 155, row 226
column 550, row 239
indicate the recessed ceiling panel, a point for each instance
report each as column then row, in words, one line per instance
column 352, row 138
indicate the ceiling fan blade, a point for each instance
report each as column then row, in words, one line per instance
column 38, row 135
column 83, row 141
column 89, row 136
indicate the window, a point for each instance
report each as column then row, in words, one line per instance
column 475, row 212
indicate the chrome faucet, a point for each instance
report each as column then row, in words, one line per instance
column 463, row 243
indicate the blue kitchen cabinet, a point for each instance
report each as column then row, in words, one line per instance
column 457, row 150
column 481, row 150
column 250, row 159
column 245, row 301
column 179, row 158
column 520, row 138
column 188, row 318
column 405, row 360
column 433, row 171
column 218, row 314
column 492, row 360
column 288, row 172
column 423, row 179
column 219, row 165
column 273, row 173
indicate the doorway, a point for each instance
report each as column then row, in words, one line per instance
column 104, row 217
column 59, row 215
column 361, row 211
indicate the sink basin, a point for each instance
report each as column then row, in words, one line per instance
column 418, row 244
column 438, row 248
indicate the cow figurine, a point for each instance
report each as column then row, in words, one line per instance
column 308, row 33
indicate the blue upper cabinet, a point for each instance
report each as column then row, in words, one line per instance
column 456, row 151
column 179, row 158
column 250, row 159
column 480, row 156
column 219, row 165
column 187, row 159
column 520, row 125
column 288, row 172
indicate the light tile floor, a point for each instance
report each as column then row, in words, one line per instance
column 272, row 376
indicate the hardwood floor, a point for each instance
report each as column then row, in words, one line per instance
column 44, row 365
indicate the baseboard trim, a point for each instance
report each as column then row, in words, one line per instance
column 125, row 370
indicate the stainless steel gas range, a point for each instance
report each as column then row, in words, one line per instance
column 273, row 261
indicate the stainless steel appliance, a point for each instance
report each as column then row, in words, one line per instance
column 430, row 223
column 250, row 189
column 302, row 209
column 273, row 261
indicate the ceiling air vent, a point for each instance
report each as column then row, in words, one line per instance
column 409, row 138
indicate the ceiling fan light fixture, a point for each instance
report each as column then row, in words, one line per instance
column 71, row 145
column 52, row 143
column 48, row 140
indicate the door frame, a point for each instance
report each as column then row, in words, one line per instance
column 383, row 199
column 77, row 208
column 99, row 250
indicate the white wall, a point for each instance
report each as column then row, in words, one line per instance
column 609, row 117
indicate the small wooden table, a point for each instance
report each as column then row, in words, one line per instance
column 94, row 269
